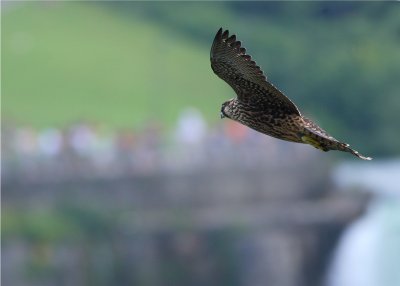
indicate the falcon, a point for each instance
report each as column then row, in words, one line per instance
column 260, row 105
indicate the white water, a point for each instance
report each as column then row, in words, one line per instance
column 368, row 253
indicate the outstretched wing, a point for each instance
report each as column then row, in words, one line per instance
column 230, row 62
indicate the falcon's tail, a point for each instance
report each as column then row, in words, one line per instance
column 326, row 144
column 345, row 148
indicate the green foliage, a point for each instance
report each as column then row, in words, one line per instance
column 38, row 226
column 48, row 226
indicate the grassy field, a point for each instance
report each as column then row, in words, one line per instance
column 79, row 61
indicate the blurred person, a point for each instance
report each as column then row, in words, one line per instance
column 77, row 157
column 217, row 145
column 190, row 136
column 102, row 149
column 50, row 142
column 82, row 139
column 125, row 144
column 149, row 147
column 26, row 143
column 27, row 151
column 191, row 127
column 237, row 133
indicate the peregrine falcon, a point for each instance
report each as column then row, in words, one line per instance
column 260, row 105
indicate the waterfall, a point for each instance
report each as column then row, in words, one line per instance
column 368, row 253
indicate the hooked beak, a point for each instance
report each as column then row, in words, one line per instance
column 222, row 115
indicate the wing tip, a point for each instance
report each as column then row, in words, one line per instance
column 221, row 34
column 232, row 42
column 218, row 35
column 220, row 31
column 217, row 38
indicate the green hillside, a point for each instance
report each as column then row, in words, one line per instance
column 69, row 61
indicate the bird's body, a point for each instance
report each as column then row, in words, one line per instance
column 261, row 106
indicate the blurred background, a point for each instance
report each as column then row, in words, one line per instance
column 116, row 169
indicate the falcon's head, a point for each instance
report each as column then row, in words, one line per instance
column 226, row 109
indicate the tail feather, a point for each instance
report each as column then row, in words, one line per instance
column 354, row 152
column 326, row 144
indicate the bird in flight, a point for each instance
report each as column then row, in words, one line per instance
column 260, row 105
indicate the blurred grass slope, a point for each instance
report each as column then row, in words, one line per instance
column 68, row 61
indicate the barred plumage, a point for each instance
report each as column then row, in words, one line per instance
column 261, row 106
